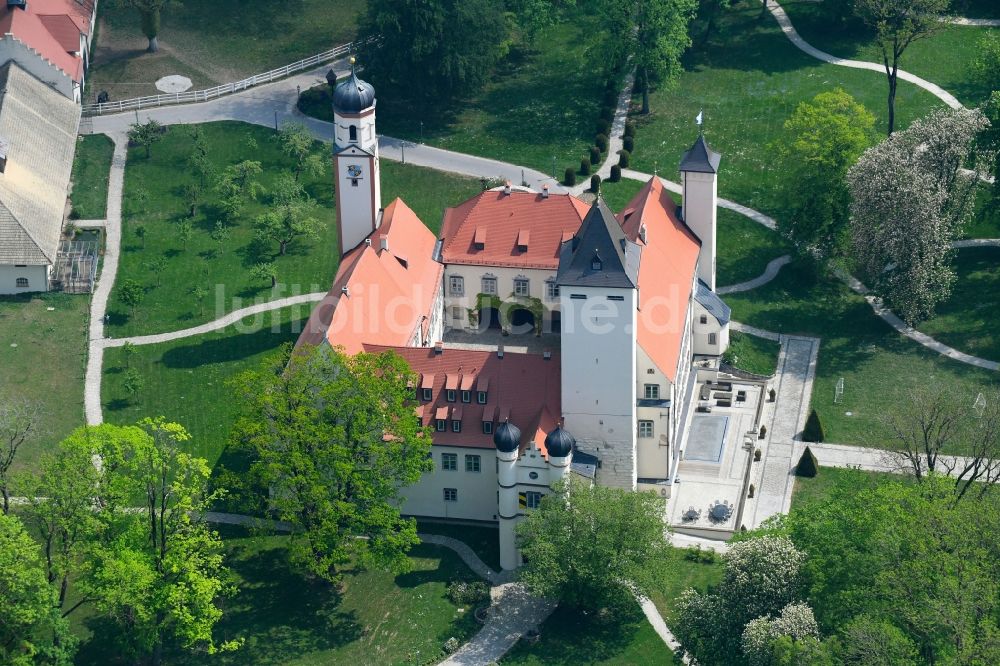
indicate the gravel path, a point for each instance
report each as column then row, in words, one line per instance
column 769, row 274
column 977, row 22
column 616, row 138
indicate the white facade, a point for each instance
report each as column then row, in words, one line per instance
column 358, row 181
column 476, row 492
column 23, row 279
column 710, row 337
column 599, row 377
column 460, row 294
column 11, row 48
column 700, row 198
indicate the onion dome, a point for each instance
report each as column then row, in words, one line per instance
column 507, row 437
column 559, row 443
column 353, row 95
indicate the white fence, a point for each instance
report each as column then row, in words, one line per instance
column 218, row 91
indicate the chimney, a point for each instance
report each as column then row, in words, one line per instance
column 368, row 242
column 506, row 188
column 547, row 355
column 383, row 243
column 23, row 4
column 438, row 347
column 499, row 351
column 545, row 191
column 642, row 233
column 345, row 291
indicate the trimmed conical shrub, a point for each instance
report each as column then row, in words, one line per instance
column 808, row 465
column 569, row 179
column 616, row 173
column 813, row 431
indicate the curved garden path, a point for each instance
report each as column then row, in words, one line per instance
column 769, row 274
column 977, row 22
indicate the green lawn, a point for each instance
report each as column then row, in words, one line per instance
column 91, row 168
column 970, row 319
column 47, row 365
column 309, row 266
column 944, row 58
column 540, row 104
column 215, row 41
column 688, row 568
column 753, row 354
column 617, row 195
column 818, row 488
column 484, row 540
column 748, row 79
column 744, row 248
column 186, row 380
column 878, row 365
column 986, row 221
column 373, row 618
column 569, row 637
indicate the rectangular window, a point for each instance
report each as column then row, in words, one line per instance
column 487, row 427
column 652, row 392
column 489, row 285
column 440, row 425
column 451, row 494
column 703, row 319
column 645, row 429
column 472, row 463
column 521, row 287
column 552, row 291
column 449, row 461
column 481, row 397
column 456, row 313
column 466, row 396
column 450, row 395
column 354, row 182
column 21, row 283
column 532, row 499
column 456, row 426
column 456, row 285
column 616, row 298
column 578, row 297
column 428, row 395
column 711, row 339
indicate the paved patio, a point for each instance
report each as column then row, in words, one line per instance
column 491, row 339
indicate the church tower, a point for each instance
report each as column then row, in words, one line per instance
column 355, row 161
column 598, row 282
column 699, row 176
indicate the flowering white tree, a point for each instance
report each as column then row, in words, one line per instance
column 910, row 197
column 796, row 622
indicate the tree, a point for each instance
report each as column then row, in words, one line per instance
column 265, row 271
column 161, row 575
column 823, row 138
column 156, row 267
column 221, row 235
column 131, row 293
column 297, row 143
column 237, row 185
column 796, row 623
column 763, row 576
column 897, row 24
column 808, row 466
column 199, row 293
column 528, row 18
column 128, row 353
column 450, row 46
column 910, row 197
column 140, row 233
column 191, row 192
column 19, row 422
column 653, row 35
column 334, row 438
column 934, row 431
column 133, row 383
column 145, row 134
column 813, row 431
column 31, row 631
column 149, row 13
column 292, row 215
column 198, row 160
column 184, row 232
column 594, row 547
column 708, row 12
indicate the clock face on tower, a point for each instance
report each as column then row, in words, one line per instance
column 354, row 170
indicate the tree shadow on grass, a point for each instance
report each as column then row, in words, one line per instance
column 235, row 347
column 449, row 568
column 570, row 636
column 117, row 405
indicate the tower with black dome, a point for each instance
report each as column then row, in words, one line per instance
column 507, row 439
column 355, row 161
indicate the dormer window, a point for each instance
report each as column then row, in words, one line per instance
column 481, row 397
column 428, row 395
column 487, row 427
column 450, row 395
column 353, row 132
column 596, row 264
column 466, row 396
column 456, row 426
column 441, row 425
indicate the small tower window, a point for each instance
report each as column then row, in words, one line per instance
column 354, row 182
column 353, row 132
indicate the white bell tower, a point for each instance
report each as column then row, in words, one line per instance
column 355, row 161
column 699, row 176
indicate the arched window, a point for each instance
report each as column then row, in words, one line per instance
column 21, row 283
column 353, row 130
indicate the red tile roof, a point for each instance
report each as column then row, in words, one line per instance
column 387, row 295
column 500, row 222
column 522, row 387
column 666, row 272
column 52, row 28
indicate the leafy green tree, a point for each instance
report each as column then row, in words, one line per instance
column 133, row 382
column 450, row 46
column 529, row 18
column 292, row 215
column 199, row 293
column 192, row 193
column 129, row 352
column 265, row 271
column 652, row 35
column 31, row 631
column 146, row 134
column 334, row 438
column 897, row 24
column 140, row 233
column 823, row 139
column 708, row 13
column 910, row 197
column 20, row 421
column 221, row 235
column 594, row 547
column 198, row 160
column 238, row 185
column 156, row 267
column 185, row 230
column 149, row 14
column 131, row 293
column 297, row 143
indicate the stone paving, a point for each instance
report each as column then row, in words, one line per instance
column 769, row 274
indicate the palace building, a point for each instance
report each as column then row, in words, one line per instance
column 550, row 336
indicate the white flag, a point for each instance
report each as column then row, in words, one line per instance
column 699, row 118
